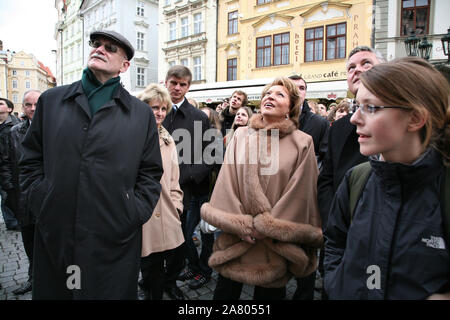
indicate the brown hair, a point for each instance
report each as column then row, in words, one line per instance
column 414, row 83
column 241, row 93
column 294, row 96
column 180, row 72
column 344, row 104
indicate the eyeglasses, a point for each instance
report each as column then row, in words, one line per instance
column 367, row 108
column 111, row 48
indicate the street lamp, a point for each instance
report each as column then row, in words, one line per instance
column 445, row 44
column 411, row 44
column 425, row 48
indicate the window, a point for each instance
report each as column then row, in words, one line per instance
column 140, row 41
column 415, row 17
column 167, row 2
column 15, row 98
column 27, row 73
column 336, row 35
column 198, row 23
column 197, row 68
column 233, row 22
column 232, row 69
column 140, row 8
column 313, row 44
column 14, row 84
column 184, row 27
column 262, row 1
column 140, row 77
column 171, row 63
column 263, row 51
column 14, row 72
column 184, row 62
column 281, row 49
column 27, row 85
column 172, row 30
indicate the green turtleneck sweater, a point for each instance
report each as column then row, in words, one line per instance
column 97, row 93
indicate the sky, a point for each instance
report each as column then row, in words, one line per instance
column 29, row 26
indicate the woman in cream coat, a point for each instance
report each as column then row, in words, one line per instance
column 265, row 201
column 162, row 235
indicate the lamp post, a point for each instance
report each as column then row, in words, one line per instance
column 425, row 48
column 411, row 44
column 445, row 44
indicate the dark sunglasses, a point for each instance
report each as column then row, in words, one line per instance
column 111, row 48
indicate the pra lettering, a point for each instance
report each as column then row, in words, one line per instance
column 74, row 280
column 374, row 280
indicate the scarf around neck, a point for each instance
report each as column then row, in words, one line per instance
column 97, row 93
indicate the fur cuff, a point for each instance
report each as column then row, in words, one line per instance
column 288, row 231
column 240, row 224
column 226, row 248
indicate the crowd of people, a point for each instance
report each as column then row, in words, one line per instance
column 117, row 184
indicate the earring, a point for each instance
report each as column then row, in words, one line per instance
column 286, row 117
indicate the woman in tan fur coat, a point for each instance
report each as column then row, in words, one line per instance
column 162, row 235
column 265, row 201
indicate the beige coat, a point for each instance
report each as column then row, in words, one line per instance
column 281, row 205
column 163, row 231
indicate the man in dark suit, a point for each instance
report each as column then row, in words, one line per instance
column 311, row 123
column 187, row 126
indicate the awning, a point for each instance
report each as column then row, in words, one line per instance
column 216, row 92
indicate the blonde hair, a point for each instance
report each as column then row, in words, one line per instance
column 294, row 96
column 156, row 92
column 415, row 83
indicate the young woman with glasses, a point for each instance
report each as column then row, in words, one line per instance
column 394, row 244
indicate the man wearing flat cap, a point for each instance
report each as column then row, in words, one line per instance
column 90, row 169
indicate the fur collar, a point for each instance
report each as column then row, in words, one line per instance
column 285, row 127
column 164, row 135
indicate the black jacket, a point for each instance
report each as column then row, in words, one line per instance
column 396, row 227
column 317, row 127
column 16, row 137
column 187, row 127
column 91, row 182
column 342, row 154
column 6, row 178
column 226, row 120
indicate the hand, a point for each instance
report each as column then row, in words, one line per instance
column 439, row 296
column 257, row 235
column 248, row 239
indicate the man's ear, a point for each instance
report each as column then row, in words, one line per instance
column 125, row 66
column 417, row 119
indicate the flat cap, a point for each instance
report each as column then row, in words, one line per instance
column 116, row 37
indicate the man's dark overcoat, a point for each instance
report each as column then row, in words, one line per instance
column 194, row 171
column 91, row 182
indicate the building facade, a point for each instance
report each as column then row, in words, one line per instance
column 135, row 19
column 68, row 36
column 25, row 72
column 260, row 39
column 395, row 20
column 188, row 33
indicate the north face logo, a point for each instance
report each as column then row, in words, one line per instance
column 434, row 242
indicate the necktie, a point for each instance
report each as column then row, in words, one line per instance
column 174, row 111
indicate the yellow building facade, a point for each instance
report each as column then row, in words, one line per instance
column 270, row 38
column 25, row 72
